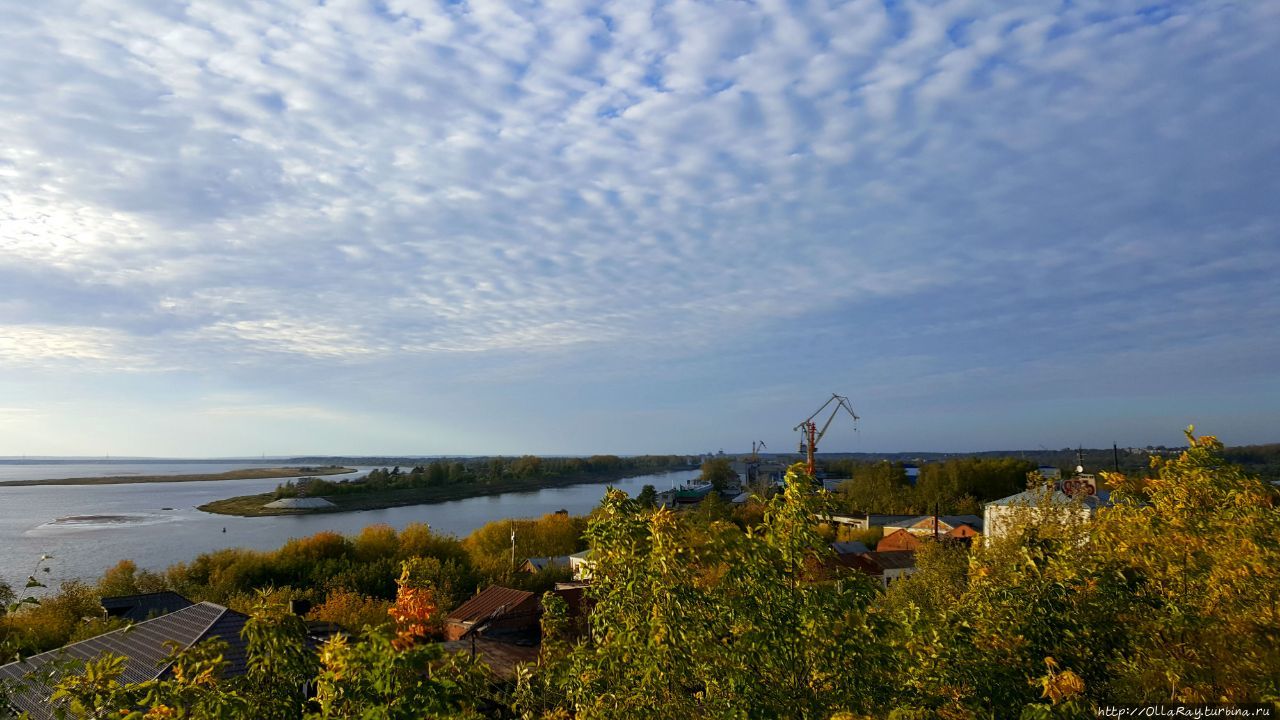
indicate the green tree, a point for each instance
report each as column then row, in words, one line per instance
column 710, row 621
column 719, row 473
column 647, row 497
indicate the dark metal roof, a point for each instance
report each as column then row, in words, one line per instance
column 893, row 559
column 542, row 563
column 849, row 548
column 142, row 645
column 486, row 603
column 137, row 608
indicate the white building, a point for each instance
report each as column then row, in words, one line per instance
column 580, row 565
column 1039, row 505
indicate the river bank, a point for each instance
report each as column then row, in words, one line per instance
column 244, row 474
column 255, row 505
column 157, row 524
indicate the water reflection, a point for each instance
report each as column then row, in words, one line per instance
column 89, row 528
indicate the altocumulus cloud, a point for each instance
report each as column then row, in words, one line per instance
column 945, row 192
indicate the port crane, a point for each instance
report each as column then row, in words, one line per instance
column 809, row 433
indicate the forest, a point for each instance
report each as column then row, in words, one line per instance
column 1169, row 595
column 441, row 480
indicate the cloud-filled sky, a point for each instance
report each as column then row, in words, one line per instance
column 232, row 227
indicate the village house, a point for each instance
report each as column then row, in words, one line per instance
column 924, row 525
column 899, row 540
column 887, row 567
column 496, row 611
column 894, row 565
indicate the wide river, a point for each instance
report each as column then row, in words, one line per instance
column 86, row 529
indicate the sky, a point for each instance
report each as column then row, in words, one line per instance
column 235, row 228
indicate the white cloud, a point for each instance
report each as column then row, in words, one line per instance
column 201, row 185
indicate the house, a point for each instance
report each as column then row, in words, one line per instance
column 496, row 610
column 889, row 566
column 580, row 565
column 146, row 647
column 899, row 539
column 833, row 484
column 924, row 526
column 538, row 564
column 1038, row 505
column 904, row 539
column 137, row 608
column 759, row 474
column 961, row 533
column 868, row 521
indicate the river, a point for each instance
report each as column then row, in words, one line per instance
column 86, row 529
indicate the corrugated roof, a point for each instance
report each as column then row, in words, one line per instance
column 874, row 519
column 142, row 645
column 542, row 563
column 893, row 559
column 849, row 548
column 972, row 521
column 486, row 603
column 1034, row 497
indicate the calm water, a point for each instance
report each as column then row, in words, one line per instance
column 88, row 528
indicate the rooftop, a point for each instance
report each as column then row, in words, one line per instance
column 1033, row 497
column 144, row 647
column 893, row 559
column 493, row 599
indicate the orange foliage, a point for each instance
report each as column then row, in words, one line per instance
column 414, row 612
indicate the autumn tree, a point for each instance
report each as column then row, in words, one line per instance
column 1200, row 541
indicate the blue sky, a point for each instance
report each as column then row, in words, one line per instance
column 236, row 228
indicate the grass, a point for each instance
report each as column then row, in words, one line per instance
column 246, row 474
column 252, row 505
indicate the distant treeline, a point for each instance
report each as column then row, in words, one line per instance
column 957, row 486
column 484, row 471
column 1262, row 460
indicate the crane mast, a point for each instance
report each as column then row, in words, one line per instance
column 808, row 429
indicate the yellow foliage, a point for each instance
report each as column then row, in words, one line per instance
column 351, row 610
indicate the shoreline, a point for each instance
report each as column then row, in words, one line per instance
column 246, row 474
column 252, row 505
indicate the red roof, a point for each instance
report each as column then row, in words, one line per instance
column 486, row 603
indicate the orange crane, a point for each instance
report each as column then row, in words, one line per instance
column 809, row 430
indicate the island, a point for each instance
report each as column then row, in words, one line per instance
column 243, row 474
column 442, row 480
